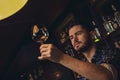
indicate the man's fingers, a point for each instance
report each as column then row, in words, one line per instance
column 43, row 50
column 40, row 58
column 44, row 46
column 44, row 56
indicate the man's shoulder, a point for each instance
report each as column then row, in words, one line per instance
column 105, row 55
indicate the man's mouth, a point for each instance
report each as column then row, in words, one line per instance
column 77, row 44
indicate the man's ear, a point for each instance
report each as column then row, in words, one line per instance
column 92, row 34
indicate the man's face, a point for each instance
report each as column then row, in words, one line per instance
column 79, row 38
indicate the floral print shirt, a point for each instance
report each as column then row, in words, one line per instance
column 109, row 56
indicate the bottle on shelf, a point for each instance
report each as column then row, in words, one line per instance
column 63, row 37
column 108, row 25
column 97, row 35
column 69, row 50
column 115, row 24
column 116, row 14
column 117, row 44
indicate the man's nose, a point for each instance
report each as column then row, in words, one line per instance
column 75, row 38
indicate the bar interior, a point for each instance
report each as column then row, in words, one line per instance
column 27, row 24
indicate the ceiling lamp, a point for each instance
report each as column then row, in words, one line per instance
column 10, row 7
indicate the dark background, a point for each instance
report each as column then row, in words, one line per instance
column 15, row 30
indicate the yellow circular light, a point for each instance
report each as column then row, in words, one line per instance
column 10, row 7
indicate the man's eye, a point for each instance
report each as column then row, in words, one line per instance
column 78, row 33
column 71, row 37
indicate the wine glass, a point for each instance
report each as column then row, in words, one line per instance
column 39, row 33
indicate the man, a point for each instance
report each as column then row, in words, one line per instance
column 96, row 64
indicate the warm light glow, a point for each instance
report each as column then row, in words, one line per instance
column 10, row 7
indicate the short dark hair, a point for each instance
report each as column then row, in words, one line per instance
column 85, row 24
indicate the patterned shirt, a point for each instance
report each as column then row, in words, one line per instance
column 108, row 56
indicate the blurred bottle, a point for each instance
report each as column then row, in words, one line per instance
column 115, row 24
column 69, row 50
column 97, row 35
column 116, row 14
column 117, row 44
column 108, row 25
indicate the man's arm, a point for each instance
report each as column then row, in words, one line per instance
column 112, row 69
column 86, row 69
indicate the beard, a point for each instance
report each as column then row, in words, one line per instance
column 87, row 45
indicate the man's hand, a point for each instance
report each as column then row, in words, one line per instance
column 50, row 52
